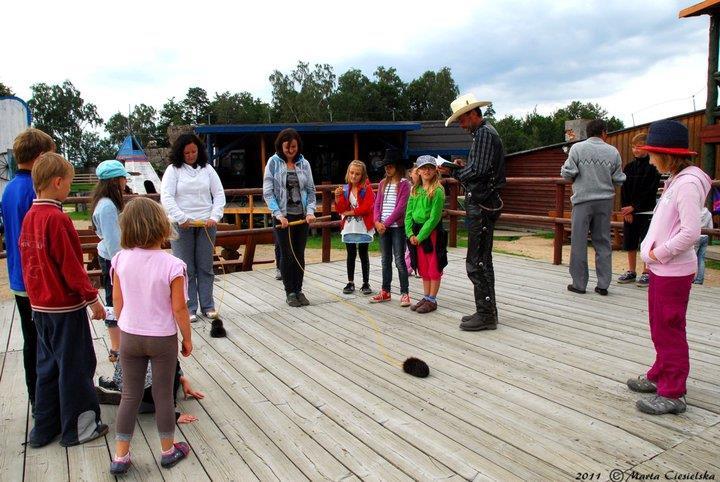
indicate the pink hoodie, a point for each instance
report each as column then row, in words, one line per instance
column 675, row 224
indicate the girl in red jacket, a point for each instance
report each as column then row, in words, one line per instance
column 354, row 202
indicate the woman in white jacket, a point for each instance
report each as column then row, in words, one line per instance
column 191, row 192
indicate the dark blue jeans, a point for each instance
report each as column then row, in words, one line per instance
column 392, row 246
column 65, row 399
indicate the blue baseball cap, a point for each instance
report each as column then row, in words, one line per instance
column 111, row 169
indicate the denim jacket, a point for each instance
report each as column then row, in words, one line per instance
column 275, row 185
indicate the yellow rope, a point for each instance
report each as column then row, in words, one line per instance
column 373, row 324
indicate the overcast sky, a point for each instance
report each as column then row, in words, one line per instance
column 635, row 58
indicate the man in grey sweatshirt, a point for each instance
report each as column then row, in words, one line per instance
column 595, row 168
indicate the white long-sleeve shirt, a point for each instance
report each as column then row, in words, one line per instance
column 192, row 194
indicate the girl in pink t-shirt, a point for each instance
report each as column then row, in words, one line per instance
column 149, row 297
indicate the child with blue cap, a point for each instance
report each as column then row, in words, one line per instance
column 107, row 203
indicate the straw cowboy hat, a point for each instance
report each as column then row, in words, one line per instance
column 464, row 103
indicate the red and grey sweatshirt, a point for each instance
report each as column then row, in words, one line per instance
column 52, row 260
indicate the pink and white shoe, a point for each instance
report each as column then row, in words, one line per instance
column 405, row 300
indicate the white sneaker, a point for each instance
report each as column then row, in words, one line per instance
column 193, row 318
column 212, row 314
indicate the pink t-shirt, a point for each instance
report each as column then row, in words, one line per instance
column 145, row 276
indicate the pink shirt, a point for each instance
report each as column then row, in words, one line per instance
column 145, row 276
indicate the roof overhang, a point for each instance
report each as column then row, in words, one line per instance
column 708, row 7
column 309, row 127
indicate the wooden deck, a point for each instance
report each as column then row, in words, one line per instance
column 306, row 393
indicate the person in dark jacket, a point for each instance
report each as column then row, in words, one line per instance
column 637, row 196
column 482, row 176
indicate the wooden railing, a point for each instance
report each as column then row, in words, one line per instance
column 325, row 200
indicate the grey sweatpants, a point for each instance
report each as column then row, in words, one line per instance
column 196, row 247
column 135, row 353
column 594, row 216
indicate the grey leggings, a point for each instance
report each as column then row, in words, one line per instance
column 135, row 352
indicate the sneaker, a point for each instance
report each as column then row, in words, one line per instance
column 405, row 300
column 418, row 304
column 107, row 397
column 292, row 300
column 193, row 318
column 120, row 467
column 212, row 314
column 698, row 281
column 365, row 289
column 380, row 297
column 659, row 405
column 641, row 385
column 108, row 384
column 575, row 290
column 627, row 277
column 100, row 431
column 113, row 356
column 349, row 288
column 303, row 299
column 643, row 281
column 427, row 307
column 278, row 274
column 181, row 451
column 601, row 291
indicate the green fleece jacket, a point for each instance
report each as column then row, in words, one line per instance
column 424, row 210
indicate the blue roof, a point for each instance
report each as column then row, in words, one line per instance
column 131, row 150
column 310, row 127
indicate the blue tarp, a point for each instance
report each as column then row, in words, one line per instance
column 131, row 150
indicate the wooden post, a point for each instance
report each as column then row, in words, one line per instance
column 356, row 143
column 263, row 153
column 711, row 106
column 251, row 201
column 326, row 209
column 453, row 218
column 559, row 227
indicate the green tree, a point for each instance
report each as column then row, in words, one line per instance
column 61, row 111
column 354, row 97
column 392, row 104
column 239, row 108
column 5, row 90
column 588, row 110
column 142, row 124
column 196, row 105
column 429, row 96
column 303, row 95
column 172, row 114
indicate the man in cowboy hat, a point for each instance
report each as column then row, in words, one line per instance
column 482, row 175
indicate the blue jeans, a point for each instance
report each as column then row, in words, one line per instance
column 196, row 250
column 700, row 250
column 392, row 246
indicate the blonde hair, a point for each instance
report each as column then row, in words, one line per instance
column 434, row 184
column 30, row 143
column 362, row 167
column 144, row 224
column 670, row 162
column 50, row 166
column 638, row 139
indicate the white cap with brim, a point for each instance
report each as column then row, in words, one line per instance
column 425, row 160
column 464, row 103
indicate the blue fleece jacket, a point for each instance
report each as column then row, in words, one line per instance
column 16, row 202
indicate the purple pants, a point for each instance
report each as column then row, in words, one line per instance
column 667, row 306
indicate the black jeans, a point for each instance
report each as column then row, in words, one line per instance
column 392, row 246
column 479, row 263
column 352, row 251
column 30, row 341
column 292, row 267
column 66, row 401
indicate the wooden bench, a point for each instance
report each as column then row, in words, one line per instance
column 229, row 260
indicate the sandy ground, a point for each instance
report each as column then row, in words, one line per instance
column 534, row 247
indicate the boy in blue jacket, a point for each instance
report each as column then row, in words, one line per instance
column 16, row 201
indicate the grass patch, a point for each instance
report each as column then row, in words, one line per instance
column 503, row 251
column 76, row 216
column 81, row 187
column 545, row 234
column 506, row 238
column 315, row 242
column 712, row 264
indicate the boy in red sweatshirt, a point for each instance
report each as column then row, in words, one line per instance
column 59, row 291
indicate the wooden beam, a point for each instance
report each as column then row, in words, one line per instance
column 702, row 8
column 356, row 142
column 709, row 154
column 263, row 152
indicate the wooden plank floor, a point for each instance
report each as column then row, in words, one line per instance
column 316, row 393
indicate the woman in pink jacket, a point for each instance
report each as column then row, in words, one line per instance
column 668, row 251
